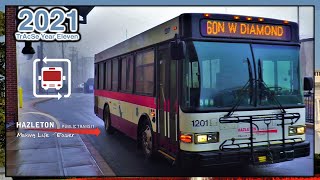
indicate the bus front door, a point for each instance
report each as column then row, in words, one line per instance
column 167, row 107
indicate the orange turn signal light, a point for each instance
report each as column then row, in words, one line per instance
column 152, row 113
column 286, row 22
column 175, row 27
column 206, row 15
column 186, row 138
column 249, row 18
column 260, row 19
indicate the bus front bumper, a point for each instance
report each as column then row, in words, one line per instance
column 260, row 155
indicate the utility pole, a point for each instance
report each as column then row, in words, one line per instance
column 63, row 63
column 75, row 69
column 40, row 65
column 298, row 14
column 298, row 19
column 82, row 67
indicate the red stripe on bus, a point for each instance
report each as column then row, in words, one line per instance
column 265, row 131
column 125, row 126
column 130, row 98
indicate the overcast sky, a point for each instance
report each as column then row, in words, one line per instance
column 107, row 26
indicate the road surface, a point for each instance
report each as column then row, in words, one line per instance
column 122, row 155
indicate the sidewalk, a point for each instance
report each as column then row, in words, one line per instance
column 50, row 156
column 2, row 175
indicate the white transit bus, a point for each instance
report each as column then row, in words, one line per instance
column 207, row 89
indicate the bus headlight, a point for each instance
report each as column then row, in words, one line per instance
column 296, row 130
column 206, row 138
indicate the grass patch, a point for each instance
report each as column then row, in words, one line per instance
column 2, row 157
column 2, row 132
column 317, row 163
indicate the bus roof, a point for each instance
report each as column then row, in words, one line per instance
column 167, row 30
column 160, row 33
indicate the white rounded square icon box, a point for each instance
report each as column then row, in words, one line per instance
column 52, row 77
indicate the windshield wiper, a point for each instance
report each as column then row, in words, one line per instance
column 243, row 89
column 264, row 87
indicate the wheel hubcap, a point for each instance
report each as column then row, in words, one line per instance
column 147, row 140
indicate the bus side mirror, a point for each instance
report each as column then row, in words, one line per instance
column 177, row 49
column 308, row 83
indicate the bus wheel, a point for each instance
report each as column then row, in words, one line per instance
column 107, row 121
column 146, row 139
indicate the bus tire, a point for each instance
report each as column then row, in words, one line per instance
column 107, row 120
column 146, row 138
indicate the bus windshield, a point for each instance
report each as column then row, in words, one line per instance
column 217, row 75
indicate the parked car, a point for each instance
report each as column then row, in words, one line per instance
column 79, row 88
column 89, row 86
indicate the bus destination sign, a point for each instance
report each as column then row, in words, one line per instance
column 217, row 28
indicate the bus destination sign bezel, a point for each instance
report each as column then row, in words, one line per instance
column 245, row 30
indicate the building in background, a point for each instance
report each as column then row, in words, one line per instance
column 317, row 76
column 307, row 57
column 82, row 69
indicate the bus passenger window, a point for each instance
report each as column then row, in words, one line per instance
column 129, row 73
column 145, row 72
column 101, row 75
column 123, row 74
column 96, row 77
column 108, row 74
column 115, row 71
column 126, row 73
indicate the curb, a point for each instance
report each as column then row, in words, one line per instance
column 33, row 104
column 3, row 175
column 101, row 163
